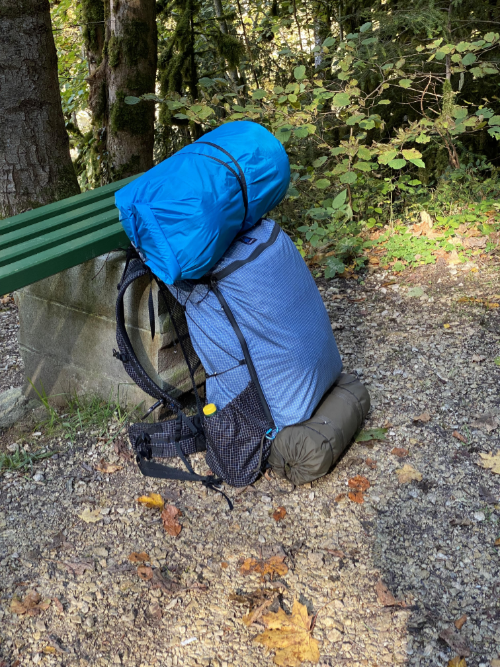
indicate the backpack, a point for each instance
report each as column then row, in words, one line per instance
column 258, row 326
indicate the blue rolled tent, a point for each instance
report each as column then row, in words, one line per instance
column 183, row 214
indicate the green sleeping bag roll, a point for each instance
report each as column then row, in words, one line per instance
column 303, row 452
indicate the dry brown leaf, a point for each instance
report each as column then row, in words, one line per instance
column 91, row 516
column 455, row 641
column 170, row 523
column 371, row 463
column 31, row 605
column 459, row 436
column 224, row 565
column 458, row 662
column 339, row 498
column 400, row 451
column 478, row 358
column 494, row 663
column 108, row 468
column 424, row 417
column 487, row 422
column 407, row 473
column 122, row 450
column 290, row 636
column 279, row 514
column 49, row 649
column 384, row 595
column 139, row 557
column 356, row 497
column 460, row 622
column 491, row 462
column 272, row 566
column 58, row 605
column 336, row 552
column 78, row 567
column 497, row 542
column 145, row 572
column 153, row 501
column 359, row 483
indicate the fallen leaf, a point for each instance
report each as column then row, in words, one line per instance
column 224, row 565
column 493, row 663
column 279, row 514
column 446, row 326
column 336, row 552
column 487, row 422
column 359, row 483
column 170, row 523
column 139, row 557
column 497, row 542
column 121, row 449
column 477, row 358
column 154, row 611
column 49, row 649
column 457, row 662
column 424, row 417
column 407, row 473
column 290, row 636
column 145, row 572
column 108, row 468
column 153, row 501
column 400, row 451
column 58, row 605
column 460, row 622
column 371, row 434
column 272, row 566
column 459, row 436
column 339, row 498
column 31, row 605
column 91, row 516
column 257, row 602
column 371, row 463
column 384, row 595
column 491, row 461
column 455, row 641
column 356, row 497
column 79, row 567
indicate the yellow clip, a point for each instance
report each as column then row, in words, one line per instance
column 209, row 409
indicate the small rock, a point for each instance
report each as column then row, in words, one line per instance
column 334, row 636
column 38, row 477
column 479, row 516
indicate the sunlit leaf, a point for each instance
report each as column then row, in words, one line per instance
column 405, row 83
column 322, row 183
column 349, row 178
column 341, row 100
column 299, row 72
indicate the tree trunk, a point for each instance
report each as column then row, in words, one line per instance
column 130, row 70
column 219, row 13
column 35, row 164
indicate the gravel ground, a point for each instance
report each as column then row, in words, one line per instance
column 11, row 364
column 432, row 542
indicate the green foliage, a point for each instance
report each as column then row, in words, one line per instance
column 22, row 459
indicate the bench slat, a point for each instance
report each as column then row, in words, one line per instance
column 62, row 207
column 24, row 235
column 58, row 237
column 31, row 269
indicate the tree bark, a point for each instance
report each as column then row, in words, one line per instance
column 130, row 70
column 35, row 163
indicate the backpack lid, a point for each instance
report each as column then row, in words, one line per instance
column 183, row 214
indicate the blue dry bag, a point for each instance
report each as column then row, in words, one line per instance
column 183, row 214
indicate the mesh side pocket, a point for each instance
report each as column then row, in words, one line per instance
column 234, row 437
column 162, row 436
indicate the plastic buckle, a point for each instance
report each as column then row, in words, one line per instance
column 271, row 433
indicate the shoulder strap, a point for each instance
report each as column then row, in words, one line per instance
column 135, row 269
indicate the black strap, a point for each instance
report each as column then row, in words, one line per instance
column 246, row 354
column 242, row 180
column 151, row 309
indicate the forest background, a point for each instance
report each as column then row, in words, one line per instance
column 389, row 111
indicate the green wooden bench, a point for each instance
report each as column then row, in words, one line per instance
column 39, row 243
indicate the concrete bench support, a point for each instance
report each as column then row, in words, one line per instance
column 68, row 332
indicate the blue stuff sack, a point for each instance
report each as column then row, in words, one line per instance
column 183, row 214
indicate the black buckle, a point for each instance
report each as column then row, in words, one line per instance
column 124, row 358
column 143, row 447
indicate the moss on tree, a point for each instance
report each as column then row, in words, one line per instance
column 93, row 20
column 132, row 118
